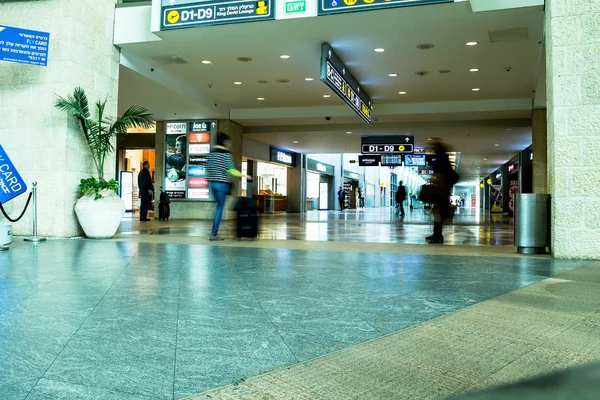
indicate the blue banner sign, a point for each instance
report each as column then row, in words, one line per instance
column 11, row 183
column 24, row 46
column 344, row 6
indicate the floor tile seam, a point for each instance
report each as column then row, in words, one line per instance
column 272, row 322
column 77, row 330
column 177, row 325
column 61, row 380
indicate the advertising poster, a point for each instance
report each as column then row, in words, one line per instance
column 176, row 160
column 200, row 135
column 496, row 198
column 513, row 189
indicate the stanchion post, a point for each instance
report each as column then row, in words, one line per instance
column 35, row 238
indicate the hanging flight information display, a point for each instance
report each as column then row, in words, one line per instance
column 344, row 6
column 335, row 75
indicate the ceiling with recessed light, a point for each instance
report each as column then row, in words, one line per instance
column 416, row 63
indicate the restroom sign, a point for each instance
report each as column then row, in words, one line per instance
column 11, row 183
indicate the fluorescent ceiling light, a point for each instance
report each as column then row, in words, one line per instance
column 206, row 62
column 326, row 95
column 379, row 50
column 471, row 43
column 284, row 56
column 476, row 89
column 260, row 98
column 474, row 70
column 237, row 83
column 393, row 75
column 401, row 92
column 308, row 79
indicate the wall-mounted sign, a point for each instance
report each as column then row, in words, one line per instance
column 335, row 75
column 215, row 12
column 198, row 194
column 320, row 167
column 288, row 9
column 414, row 160
column 352, row 175
column 283, row 157
column 11, row 183
column 201, row 126
column 197, row 183
column 498, row 175
column 199, row 148
column 369, row 161
column 199, row 137
column 24, row 46
column 511, row 167
column 391, row 161
column 176, row 128
column 426, row 171
column 342, row 6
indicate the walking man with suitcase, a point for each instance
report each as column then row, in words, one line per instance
column 400, row 198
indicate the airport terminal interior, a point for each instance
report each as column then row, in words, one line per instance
column 414, row 210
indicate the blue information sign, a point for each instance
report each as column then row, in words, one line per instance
column 343, row 6
column 24, row 46
column 11, row 183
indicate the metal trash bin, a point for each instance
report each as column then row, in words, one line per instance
column 532, row 223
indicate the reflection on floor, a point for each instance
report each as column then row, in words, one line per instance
column 132, row 320
column 469, row 227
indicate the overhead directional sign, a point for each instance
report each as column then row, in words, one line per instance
column 397, row 148
column 342, row 6
column 335, row 75
column 216, row 12
column 24, row 46
column 399, row 144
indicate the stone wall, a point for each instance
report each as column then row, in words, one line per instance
column 573, row 82
column 539, row 147
column 43, row 143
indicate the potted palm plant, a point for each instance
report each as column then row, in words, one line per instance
column 100, row 210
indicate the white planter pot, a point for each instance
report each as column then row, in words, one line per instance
column 100, row 218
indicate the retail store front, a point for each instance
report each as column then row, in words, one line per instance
column 351, row 184
column 270, row 188
column 320, row 189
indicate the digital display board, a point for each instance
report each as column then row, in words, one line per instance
column 343, row 6
column 391, row 161
column 213, row 12
column 335, row 75
column 414, row 160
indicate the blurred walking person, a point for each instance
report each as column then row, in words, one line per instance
column 220, row 170
column 400, row 199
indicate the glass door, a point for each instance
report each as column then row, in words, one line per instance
column 323, row 196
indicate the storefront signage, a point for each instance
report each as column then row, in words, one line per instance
column 197, row 183
column 203, row 148
column 511, row 167
column 295, row 6
column 213, row 12
column 335, row 75
column 323, row 168
column 498, row 175
column 176, row 128
column 11, row 183
column 513, row 190
column 199, row 137
column 283, row 157
column 343, row 6
column 351, row 175
column 24, row 46
column 369, row 161
column 201, row 126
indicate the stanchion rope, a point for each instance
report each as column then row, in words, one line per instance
column 20, row 216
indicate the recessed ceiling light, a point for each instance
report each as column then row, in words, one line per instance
column 430, row 139
column 476, row 89
column 295, row 142
column 379, row 50
column 393, row 74
column 348, row 133
column 425, row 46
column 485, row 158
column 237, row 83
column 284, row 56
column 471, row 43
column 509, row 129
column 206, row 62
column 497, row 145
column 401, row 92
column 445, row 71
column 262, row 82
column 474, row 70
column 260, row 98
column 244, row 59
column 308, row 79
column 326, row 95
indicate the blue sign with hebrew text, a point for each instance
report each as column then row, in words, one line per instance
column 11, row 183
column 24, row 46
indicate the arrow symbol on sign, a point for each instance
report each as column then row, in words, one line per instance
column 213, row 124
column 172, row 2
column 407, row 140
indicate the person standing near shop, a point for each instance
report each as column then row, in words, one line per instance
column 220, row 169
column 146, row 190
column 341, row 197
column 400, row 198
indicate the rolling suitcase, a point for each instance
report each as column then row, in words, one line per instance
column 164, row 207
column 247, row 218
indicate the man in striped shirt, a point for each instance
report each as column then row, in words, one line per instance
column 221, row 170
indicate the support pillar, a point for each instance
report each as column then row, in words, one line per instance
column 573, row 104
column 539, row 136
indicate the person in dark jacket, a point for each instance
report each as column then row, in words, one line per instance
column 220, row 169
column 341, row 197
column 400, row 198
column 146, row 190
column 444, row 179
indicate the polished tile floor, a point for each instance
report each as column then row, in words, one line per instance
column 380, row 225
column 121, row 319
